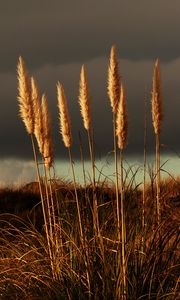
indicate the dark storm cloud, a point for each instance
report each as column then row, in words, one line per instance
column 69, row 31
column 56, row 37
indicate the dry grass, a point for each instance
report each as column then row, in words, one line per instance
column 84, row 99
column 122, row 132
column 65, row 127
column 157, row 117
column 38, row 126
column 25, row 264
column 48, row 153
column 75, row 252
column 24, row 98
column 113, row 80
column 122, row 121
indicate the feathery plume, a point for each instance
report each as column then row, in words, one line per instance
column 122, row 120
column 65, row 127
column 38, row 126
column 113, row 80
column 157, row 110
column 84, row 100
column 48, row 152
column 24, row 97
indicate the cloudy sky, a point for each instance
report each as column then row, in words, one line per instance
column 56, row 37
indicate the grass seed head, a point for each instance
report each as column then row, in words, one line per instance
column 84, row 100
column 64, row 120
column 38, row 126
column 157, row 102
column 48, row 153
column 122, row 120
column 24, row 97
column 113, row 80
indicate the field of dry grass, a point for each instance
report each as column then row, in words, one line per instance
column 26, row 271
column 99, row 240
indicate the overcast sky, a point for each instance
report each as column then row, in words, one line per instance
column 56, row 37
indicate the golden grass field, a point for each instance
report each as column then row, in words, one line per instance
column 97, row 240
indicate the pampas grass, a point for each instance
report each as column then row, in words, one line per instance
column 64, row 120
column 122, row 121
column 48, row 152
column 38, row 126
column 65, row 130
column 114, row 94
column 24, row 97
column 113, row 80
column 157, row 117
column 121, row 132
column 84, row 102
column 27, row 114
column 84, row 99
column 89, row 255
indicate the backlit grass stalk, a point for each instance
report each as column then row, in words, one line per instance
column 157, row 117
column 114, row 94
column 48, row 157
column 26, row 109
column 40, row 131
column 44, row 141
column 88, row 204
column 82, row 160
column 65, row 130
column 47, row 154
column 84, row 102
column 122, row 132
column 144, row 174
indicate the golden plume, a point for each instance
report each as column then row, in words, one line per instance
column 122, row 120
column 48, row 153
column 84, row 100
column 24, row 97
column 113, row 80
column 157, row 110
column 38, row 126
column 64, row 120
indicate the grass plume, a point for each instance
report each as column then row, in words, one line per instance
column 65, row 130
column 122, row 132
column 38, row 126
column 24, row 97
column 122, row 121
column 113, row 80
column 65, row 126
column 48, row 153
column 114, row 94
column 157, row 117
column 84, row 99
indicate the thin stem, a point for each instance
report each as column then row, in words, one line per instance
column 144, row 165
column 53, row 213
column 48, row 202
column 123, row 226
column 82, row 159
column 80, row 224
column 42, row 203
column 95, row 206
column 76, row 195
column 117, row 206
column 95, row 203
column 144, row 174
column 91, row 150
column 116, row 174
column 158, row 179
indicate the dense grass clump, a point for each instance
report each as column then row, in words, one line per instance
column 97, row 241
column 26, row 270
